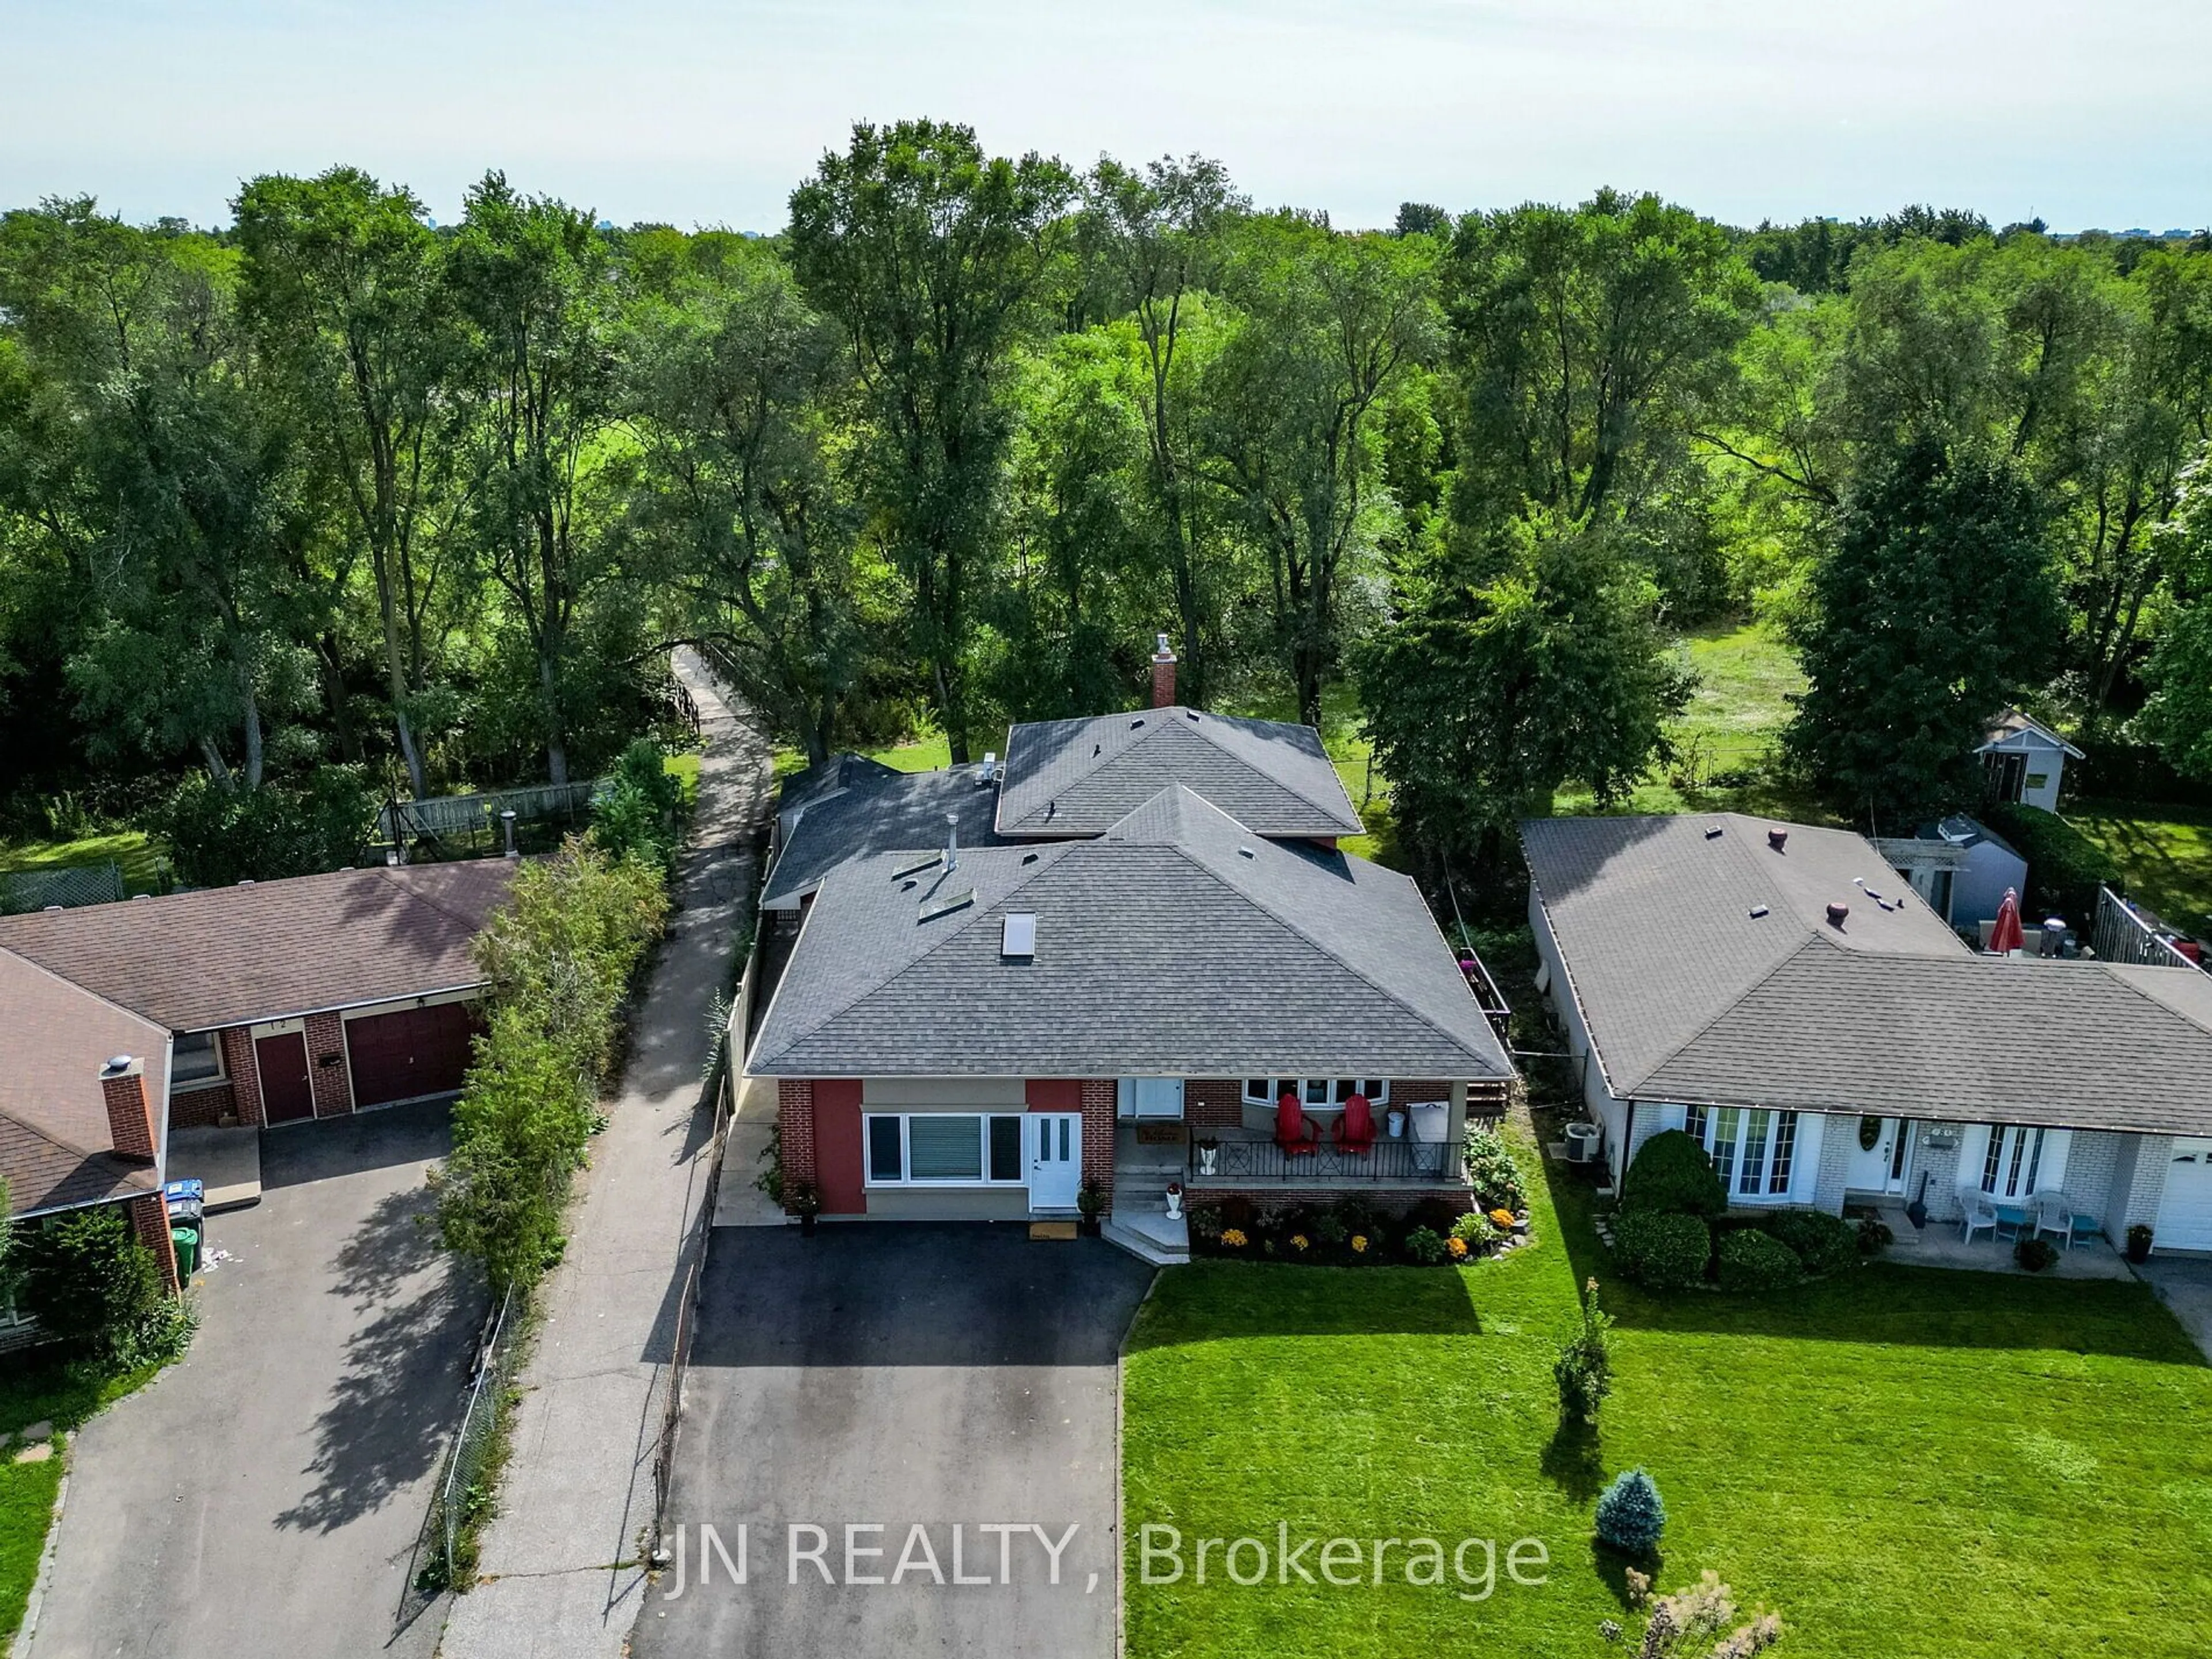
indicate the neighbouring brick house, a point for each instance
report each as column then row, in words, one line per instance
column 1114, row 988
column 263, row 1003
column 1780, row 993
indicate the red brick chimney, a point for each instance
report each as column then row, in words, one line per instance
column 1163, row 667
column 129, row 1114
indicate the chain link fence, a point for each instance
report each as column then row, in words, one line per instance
column 40, row 890
column 446, row 1549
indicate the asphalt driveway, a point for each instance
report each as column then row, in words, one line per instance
column 263, row 1497
column 943, row 1378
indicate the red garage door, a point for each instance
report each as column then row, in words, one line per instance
column 415, row 1051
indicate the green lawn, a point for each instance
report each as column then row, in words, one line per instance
column 134, row 850
column 1903, row 1463
column 2167, row 859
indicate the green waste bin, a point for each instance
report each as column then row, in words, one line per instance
column 187, row 1241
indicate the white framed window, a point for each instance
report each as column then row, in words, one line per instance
column 1317, row 1091
column 943, row 1149
column 1754, row 1151
column 195, row 1057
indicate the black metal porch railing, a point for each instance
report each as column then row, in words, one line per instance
column 1234, row 1162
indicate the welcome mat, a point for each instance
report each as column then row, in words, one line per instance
column 1052, row 1229
column 1159, row 1135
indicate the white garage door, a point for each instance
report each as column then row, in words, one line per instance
column 2184, row 1214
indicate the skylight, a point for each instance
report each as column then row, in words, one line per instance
column 1018, row 934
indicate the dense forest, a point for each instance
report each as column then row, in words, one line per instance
column 331, row 502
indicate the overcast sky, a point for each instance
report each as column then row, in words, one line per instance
column 2084, row 112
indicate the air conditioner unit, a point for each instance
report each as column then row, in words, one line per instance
column 1583, row 1141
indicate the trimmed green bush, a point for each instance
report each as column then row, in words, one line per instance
column 1750, row 1260
column 1824, row 1243
column 1631, row 1515
column 1662, row 1250
column 1672, row 1172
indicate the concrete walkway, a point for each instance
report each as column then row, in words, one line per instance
column 562, row 1559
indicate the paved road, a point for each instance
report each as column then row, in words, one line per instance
column 261, row 1498
column 945, row 1375
column 562, row 1556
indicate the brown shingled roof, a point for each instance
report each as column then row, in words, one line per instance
column 56, row 1150
column 229, row 956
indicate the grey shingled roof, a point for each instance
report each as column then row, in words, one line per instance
column 1179, row 943
column 1080, row 777
column 843, row 770
column 1690, row 997
column 894, row 811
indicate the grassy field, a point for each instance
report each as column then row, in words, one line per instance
column 1901, row 1462
column 133, row 850
column 2167, row 859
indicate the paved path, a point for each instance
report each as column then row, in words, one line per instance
column 261, row 1500
column 944, row 1377
column 562, row 1555
column 2183, row 1283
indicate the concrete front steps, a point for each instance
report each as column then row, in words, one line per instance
column 1144, row 1230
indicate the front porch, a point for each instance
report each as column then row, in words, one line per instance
column 1149, row 1154
column 1940, row 1244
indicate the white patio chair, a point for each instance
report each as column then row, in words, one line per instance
column 1977, row 1214
column 2054, row 1214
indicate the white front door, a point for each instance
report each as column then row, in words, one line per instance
column 1055, row 1159
column 1880, row 1168
column 2184, row 1214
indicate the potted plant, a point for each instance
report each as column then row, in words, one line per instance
column 1209, row 1155
column 2139, row 1243
column 1175, row 1200
column 806, row 1202
column 1090, row 1202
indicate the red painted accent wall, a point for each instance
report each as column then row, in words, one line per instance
column 1054, row 1094
column 837, row 1157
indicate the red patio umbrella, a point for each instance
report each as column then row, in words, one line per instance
column 2007, row 935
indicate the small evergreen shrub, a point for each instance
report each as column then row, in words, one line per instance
column 1426, row 1246
column 1583, row 1370
column 88, row 1281
column 1750, row 1260
column 1492, row 1171
column 1672, row 1173
column 1824, row 1243
column 2035, row 1254
column 1663, row 1251
column 1631, row 1515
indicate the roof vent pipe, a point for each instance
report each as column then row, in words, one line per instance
column 951, row 842
column 1836, row 914
column 1777, row 839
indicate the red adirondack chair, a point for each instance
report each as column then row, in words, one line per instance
column 1291, row 1132
column 1355, row 1130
